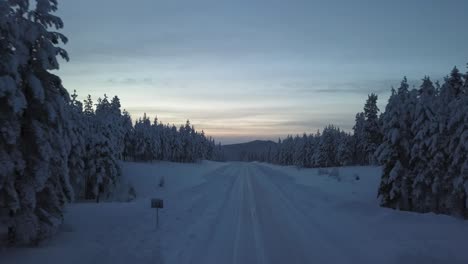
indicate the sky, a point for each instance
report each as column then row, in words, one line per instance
column 243, row 70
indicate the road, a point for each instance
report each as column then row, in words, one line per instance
column 249, row 213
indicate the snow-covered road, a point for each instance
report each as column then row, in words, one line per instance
column 252, row 213
column 249, row 213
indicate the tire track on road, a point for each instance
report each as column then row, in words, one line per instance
column 304, row 219
column 260, row 250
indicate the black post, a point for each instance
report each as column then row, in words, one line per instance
column 157, row 217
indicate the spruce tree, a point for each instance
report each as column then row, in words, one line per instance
column 457, row 129
column 393, row 153
column 440, row 148
column 33, row 103
column 344, row 151
column 372, row 133
column 76, row 160
column 359, row 138
column 129, row 136
column 422, row 127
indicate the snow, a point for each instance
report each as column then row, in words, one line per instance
column 348, row 188
column 36, row 88
column 7, row 85
column 249, row 213
column 177, row 176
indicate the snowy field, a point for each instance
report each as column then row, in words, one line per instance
column 249, row 213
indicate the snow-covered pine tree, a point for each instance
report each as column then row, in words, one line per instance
column 156, row 139
column 308, row 148
column 289, row 150
column 33, row 120
column 327, row 147
column 12, row 106
column 460, row 150
column 165, row 142
column 202, row 146
column 440, row 142
column 299, row 151
column 101, row 159
column 316, row 150
column 457, row 129
column 88, row 106
column 186, row 135
column 129, row 136
column 76, row 162
column 422, row 196
column 117, row 124
column 407, row 117
column 344, row 149
column 177, row 147
column 359, row 139
column 393, row 153
column 143, row 139
column 372, row 131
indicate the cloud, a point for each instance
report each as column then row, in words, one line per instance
column 351, row 87
column 213, row 113
column 363, row 87
column 131, row 81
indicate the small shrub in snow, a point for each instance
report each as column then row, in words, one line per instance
column 356, row 177
column 161, row 182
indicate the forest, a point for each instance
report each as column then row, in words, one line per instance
column 420, row 140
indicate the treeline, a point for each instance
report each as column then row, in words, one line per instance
column 155, row 141
column 421, row 140
column 425, row 147
column 103, row 135
column 332, row 146
column 329, row 148
column 54, row 148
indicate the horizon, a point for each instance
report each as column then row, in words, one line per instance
column 256, row 70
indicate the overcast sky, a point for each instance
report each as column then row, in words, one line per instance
column 245, row 70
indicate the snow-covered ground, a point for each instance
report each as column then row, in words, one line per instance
column 249, row 213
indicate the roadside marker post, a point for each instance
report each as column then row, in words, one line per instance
column 157, row 203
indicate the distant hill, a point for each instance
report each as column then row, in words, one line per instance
column 250, row 151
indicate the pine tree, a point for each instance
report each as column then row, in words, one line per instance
column 393, row 153
column 299, row 151
column 33, row 112
column 327, row 151
column 316, row 160
column 12, row 107
column 308, row 149
column 344, row 149
column 440, row 148
column 102, row 170
column 129, row 136
column 88, row 106
column 372, row 133
column 359, row 138
column 422, row 127
column 457, row 129
column 76, row 159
